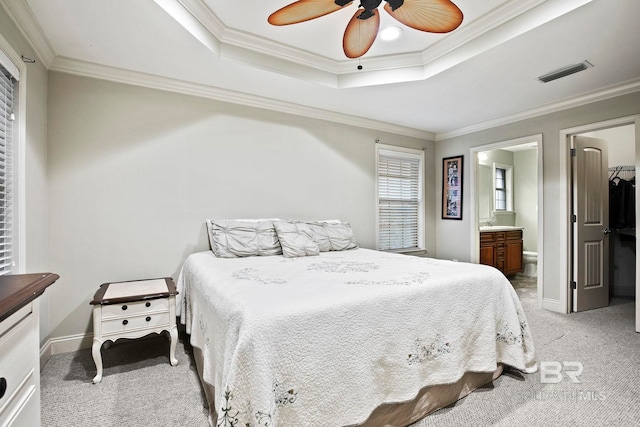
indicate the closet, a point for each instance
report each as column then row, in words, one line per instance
column 622, row 223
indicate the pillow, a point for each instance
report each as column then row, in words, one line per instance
column 296, row 239
column 209, row 222
column 243, row 238
column 331, row 236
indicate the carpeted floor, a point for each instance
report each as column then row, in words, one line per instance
column 140, row 388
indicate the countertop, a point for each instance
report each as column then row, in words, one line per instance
column 500, row 228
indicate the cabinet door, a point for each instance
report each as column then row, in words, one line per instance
column 487, row 255
column 513, row 257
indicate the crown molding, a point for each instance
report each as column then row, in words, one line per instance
column 626, row 88
column 22, row 15
column 119, row 75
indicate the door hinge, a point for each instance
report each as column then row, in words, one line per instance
column 574, row 218
column 574, row 285
column 572, row 152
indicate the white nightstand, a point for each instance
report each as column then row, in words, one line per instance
column 132, row 310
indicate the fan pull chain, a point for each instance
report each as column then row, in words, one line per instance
column 359, row 44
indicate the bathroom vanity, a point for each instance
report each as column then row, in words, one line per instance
column 501, row 247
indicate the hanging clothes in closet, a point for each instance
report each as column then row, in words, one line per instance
column 622, row 197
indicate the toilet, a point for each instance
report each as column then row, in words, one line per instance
column 530, row 261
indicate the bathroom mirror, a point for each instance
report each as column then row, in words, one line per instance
column 484, row 193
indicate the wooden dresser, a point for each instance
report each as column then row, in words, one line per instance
column 503, row 250
column 20, row 348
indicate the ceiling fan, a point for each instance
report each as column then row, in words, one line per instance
column 433, row 16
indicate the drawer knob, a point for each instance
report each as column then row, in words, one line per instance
column 148, row 304
column 125, row 321
column 124, row 307
column 3, row 386
column 148, row 319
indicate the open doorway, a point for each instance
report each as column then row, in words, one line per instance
column 621, row 226
column 507, row 181
column 617, row 280
column 621, row 159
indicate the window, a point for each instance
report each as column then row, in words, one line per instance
column 7, row 89
column 501, row 189
column 400, row 183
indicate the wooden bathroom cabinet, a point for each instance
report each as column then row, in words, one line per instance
column 502, row 250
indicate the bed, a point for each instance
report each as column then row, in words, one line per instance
column 342, row 337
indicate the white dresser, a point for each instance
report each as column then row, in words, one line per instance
column 20, row 348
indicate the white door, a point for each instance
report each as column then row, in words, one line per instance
column 590, row 229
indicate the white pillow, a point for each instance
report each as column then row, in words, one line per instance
column 243, row 238
column 331, row 236
column 296, row 239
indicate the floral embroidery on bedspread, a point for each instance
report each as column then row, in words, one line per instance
column 412, row 279
column 438, row 347
column 282, row 396
column 228, row 415
column 506, row 336
column 343, row 266
column 252, row 275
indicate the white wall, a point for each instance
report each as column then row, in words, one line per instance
column 525, row 196
column 33, row 85
column 134, row 172
column 622, row 144
column 505, row 158
column 454, row 236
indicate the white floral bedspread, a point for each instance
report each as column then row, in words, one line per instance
column 323, row 340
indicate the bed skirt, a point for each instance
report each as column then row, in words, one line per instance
column 428, row 400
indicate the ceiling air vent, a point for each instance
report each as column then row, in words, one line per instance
column 565, row 71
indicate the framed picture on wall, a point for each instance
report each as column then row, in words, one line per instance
column 452, row 187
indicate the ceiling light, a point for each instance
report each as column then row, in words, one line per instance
column 565, row 71
column 390, row 33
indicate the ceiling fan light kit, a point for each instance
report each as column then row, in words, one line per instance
column 432, row 16
column 390, row 33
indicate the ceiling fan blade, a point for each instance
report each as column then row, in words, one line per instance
column 305, row 10
column 433, row 16
column 360, row 34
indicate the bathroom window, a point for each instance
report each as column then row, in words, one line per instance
column 503, row 187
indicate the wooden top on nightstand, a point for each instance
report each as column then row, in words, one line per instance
column 134, row 290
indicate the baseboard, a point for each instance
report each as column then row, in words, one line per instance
column 45, row 354
column 64, row 345
column 552, row 305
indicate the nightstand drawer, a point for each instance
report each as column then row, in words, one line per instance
column 18, row 362
column 133, row 323
column 136, row 307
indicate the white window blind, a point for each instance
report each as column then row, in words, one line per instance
column 400, row 200
column 7, row 89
